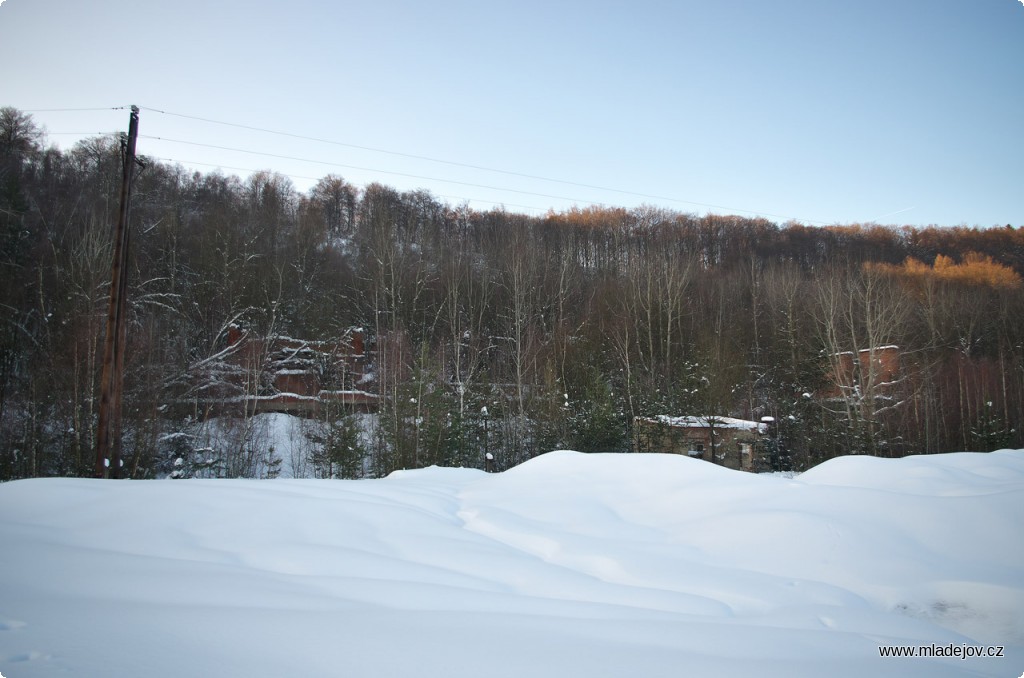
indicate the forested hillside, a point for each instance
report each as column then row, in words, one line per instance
column 491, row 332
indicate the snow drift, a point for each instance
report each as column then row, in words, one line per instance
column 571, row 564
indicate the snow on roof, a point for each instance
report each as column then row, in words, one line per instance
column 708, row 422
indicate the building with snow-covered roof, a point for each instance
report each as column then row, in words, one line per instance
column 276, row 373
column 726, row 441
column 871, row 371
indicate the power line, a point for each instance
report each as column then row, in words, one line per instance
column 72, row 110
column 475, row 167
column 363, row 186
column 367, row 169
column 535, row 177
column 371, row 148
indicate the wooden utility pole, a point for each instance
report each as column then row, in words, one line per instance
column 108, row 432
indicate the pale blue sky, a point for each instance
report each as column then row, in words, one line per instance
column 895, row 111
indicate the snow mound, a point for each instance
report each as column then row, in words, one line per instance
column 570, row 564
column 943, row 474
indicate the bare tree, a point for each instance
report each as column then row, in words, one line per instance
column 861, row 315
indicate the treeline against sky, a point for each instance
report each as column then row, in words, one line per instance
column 493, row 333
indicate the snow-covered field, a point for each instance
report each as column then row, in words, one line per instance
column 569, row 565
